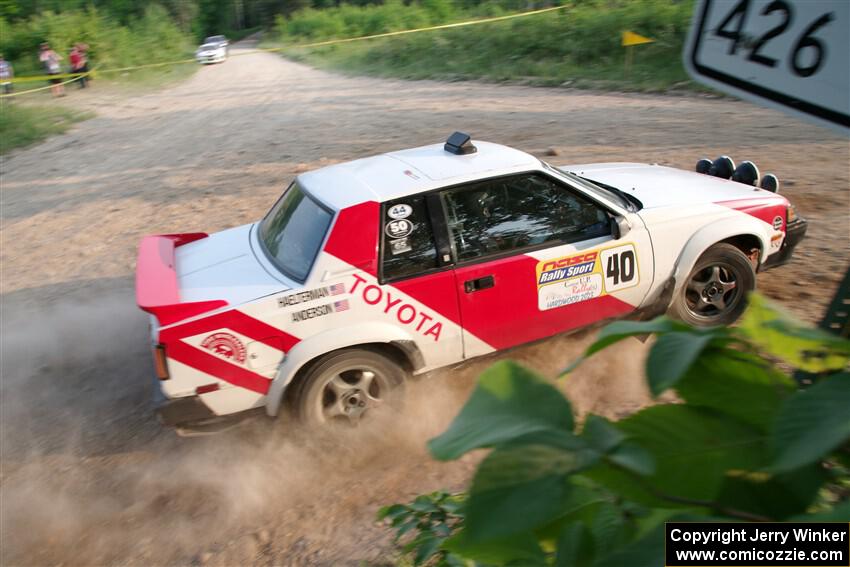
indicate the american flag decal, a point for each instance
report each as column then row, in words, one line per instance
column 337, row 289
column 341, row 305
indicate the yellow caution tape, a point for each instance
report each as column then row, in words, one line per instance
column 273, row 49
column 32, row 78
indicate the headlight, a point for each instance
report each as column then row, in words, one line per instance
column 791, row 214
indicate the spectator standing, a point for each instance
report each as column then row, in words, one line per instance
column 50, row 59
column 77, row 58
column 6, row 75
column 83, row 50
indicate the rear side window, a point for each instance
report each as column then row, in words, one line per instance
column 408, row 239
column 293, row 231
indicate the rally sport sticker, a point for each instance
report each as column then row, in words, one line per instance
column 580, row 277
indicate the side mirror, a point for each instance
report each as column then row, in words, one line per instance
column 619, row 226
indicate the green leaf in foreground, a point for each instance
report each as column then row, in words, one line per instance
column 737, row 384
column 672, row 355
column 692, row 449
column 779, row 335
column 812, row 423
column 508, row 402
column 575, row 547
column 521, row 488
column 620, row 330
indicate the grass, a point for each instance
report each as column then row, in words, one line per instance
column 24, row 124
column 649, row 72
column 577, row 47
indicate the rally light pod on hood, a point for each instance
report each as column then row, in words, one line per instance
column 703, row 166
column 722, row 167
column 746, row 173
column 770, row 183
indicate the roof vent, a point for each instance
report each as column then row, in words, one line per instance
column 459, row 144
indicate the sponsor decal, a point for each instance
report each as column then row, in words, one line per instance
column 319, row 311
column 564, row 268
column 400, row 211
column 403, row 312
column 777, row 222
column 570, row 291
column 310, row 295
column 400, row 246
column 580, row 277
column 776, row 241
column 400, row 228
column 312, row 313
column 225, row 345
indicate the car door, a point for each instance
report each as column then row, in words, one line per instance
column 536, row 257
column 426, row 307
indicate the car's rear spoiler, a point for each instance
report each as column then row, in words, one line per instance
column 157, row 289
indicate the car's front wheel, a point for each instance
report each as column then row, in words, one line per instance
column 715, row 292
column 346, row 386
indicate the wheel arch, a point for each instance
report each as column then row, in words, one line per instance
column 746, row 236
column 387, row 340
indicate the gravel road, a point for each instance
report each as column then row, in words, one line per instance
column 86, row 474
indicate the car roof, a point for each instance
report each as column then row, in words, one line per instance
column 407, row 172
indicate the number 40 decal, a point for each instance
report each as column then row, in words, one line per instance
column 620, row 267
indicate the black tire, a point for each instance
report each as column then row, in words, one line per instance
column 337, row 388
column 715, row 292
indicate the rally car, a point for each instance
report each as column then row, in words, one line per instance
column 212, row 50
column 368, row 272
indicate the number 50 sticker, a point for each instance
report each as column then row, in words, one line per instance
column 620, row 267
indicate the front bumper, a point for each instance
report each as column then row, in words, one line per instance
column 204, row 59
column 794, row 233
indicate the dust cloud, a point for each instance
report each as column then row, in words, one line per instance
column 89, row 476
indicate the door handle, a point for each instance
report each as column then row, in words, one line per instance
column 478, row 284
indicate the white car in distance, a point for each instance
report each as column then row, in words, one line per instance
column 213, row 50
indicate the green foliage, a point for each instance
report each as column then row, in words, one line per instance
column 425, row 524
column 150, row 38
column 22, row 125
column 744, row 443
column 580, row 44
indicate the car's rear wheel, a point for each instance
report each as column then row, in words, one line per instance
column 715, row 292
column 347, row 386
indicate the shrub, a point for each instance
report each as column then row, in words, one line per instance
column 745, row 444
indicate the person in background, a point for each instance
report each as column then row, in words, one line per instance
column 6, row 75
column 80, row 63
column 50, row 59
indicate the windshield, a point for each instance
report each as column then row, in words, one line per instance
column 293, row 231
column 600, row 189
column 214, row 39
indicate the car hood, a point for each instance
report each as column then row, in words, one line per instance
column 224, row 266
column 659, row 186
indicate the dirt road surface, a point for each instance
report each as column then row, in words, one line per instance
column 89, row 477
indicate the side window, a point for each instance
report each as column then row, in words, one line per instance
column 408, row 239
column 509, row 213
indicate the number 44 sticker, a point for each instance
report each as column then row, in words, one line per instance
column 620, row 268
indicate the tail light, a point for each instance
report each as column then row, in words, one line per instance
column 159, row 362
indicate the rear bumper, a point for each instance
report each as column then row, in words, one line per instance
column 794, row 233
column 191, row 415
